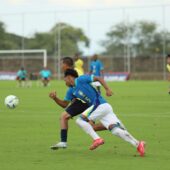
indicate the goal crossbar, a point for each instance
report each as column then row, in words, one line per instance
column 44, row 51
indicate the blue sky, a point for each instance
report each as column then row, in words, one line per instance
column 25, row 17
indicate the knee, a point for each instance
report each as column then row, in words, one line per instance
column 65, row 116
column 78, row 120
column 113, row 126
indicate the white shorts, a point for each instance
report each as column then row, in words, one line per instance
column 104, row 113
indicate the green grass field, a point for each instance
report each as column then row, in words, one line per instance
column 27, row 132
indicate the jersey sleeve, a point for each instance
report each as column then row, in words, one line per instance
column 49, row 73
column 18, row 73
column 69, row 95
column 85, row 79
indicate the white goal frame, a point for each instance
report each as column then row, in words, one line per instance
column 43, row 51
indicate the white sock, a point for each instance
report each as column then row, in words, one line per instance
column 125, row 135
column 87, row 128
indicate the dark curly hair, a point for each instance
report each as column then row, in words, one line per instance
column 71, row 72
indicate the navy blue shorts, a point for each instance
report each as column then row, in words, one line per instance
column 76, row 107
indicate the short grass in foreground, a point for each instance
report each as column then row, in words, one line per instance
column 27, row 132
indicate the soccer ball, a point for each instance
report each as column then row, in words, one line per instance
column 11, row 101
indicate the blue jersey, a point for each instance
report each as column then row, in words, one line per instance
column 45, row 73
column 69, row 94
column 96, row 67
column 84, row 91
column 22, row 74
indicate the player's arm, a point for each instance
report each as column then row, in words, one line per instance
column 101, row 69
column 103, row 83
column 91, row 69
column 62, row 103
column 102, row 73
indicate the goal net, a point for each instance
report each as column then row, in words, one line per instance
column 12, row 60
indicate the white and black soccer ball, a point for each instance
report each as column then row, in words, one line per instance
column 11, row 101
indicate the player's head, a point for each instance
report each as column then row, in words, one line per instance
column 22, row 68
column 95, row 57
column 69, row 76
column 76, row 56
column 168, row 58
column 66, row 63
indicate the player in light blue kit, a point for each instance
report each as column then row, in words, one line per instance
column 22, row 77
column 96, row 68
column 45, row 76
column 99, row 110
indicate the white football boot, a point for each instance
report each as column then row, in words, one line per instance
column 60, row 145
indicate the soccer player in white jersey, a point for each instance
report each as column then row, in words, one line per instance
column 99, row 109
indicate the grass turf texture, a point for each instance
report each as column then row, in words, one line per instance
column 27, row 132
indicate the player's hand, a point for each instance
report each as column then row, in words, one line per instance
column 109, row 92
column 53, row 95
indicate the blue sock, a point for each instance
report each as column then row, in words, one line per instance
column 63, row 135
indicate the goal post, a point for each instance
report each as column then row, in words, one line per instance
column 28, row 51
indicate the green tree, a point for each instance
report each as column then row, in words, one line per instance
column 142, row 38
column 8, row 40
column 69, row 36
column 2, row 35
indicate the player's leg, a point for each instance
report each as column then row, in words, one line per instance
column 117, row 130
column 43, row 81
column 86, row 114
column 46, row 80
column 83, row 122
column 74, row 109
column 63, row 132
column 86, row 126
column 23, row 82
column 116, row 127
column 98, row 126
column 19, row 82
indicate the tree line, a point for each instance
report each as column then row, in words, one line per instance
column 141, row 38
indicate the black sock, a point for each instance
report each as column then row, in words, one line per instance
column 63, row 135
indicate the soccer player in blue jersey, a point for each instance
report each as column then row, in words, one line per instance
column 99, row 109
column 73, row 107
column 96, row 68
column 45, row 74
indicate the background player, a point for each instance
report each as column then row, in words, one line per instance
column 45, row 74
column 22, row 77
column 96, row 68
column 78, row 64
